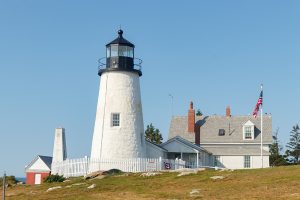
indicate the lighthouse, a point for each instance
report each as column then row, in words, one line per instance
column 119, row 125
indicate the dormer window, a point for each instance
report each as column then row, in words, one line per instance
column 248, row 131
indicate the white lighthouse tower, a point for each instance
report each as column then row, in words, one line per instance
column 119, row 126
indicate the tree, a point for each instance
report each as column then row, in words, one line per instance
column 293, row 147
column 276, row 159
column 199, row 113
column 153, row 134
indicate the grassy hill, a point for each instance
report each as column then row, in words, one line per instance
column 272, row 183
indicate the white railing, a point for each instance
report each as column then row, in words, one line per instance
column 84, row 166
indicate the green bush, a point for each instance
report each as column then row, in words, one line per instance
column 54, row 178
column 10, row 180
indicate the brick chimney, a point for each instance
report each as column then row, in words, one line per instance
column 197, row 134
column 191, row 119
column 228, row 112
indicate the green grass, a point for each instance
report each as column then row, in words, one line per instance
column 272, row 183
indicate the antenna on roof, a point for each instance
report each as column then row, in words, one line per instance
column 172, row 104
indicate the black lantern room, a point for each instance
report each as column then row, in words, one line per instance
column 120, row 56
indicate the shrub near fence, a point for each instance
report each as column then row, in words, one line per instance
column 83, row 166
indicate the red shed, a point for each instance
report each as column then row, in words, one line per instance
column 38, row 170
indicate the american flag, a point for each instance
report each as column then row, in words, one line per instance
column 258, row 104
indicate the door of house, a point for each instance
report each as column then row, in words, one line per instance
column 37, row 179
column 192, row 160
column 178, row 155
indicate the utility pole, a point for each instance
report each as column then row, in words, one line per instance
column 261, row 127
column 4, row 186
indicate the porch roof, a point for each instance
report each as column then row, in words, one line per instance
column 179, row 144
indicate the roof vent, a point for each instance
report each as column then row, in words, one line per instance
column 221, row 132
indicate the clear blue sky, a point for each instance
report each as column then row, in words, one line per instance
column 215, row 53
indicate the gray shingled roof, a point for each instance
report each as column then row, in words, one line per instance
column 210, row 126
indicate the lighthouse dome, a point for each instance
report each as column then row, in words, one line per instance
column 120, row 40
column 120, row 56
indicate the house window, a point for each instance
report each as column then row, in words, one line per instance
column 115, row 119
column 216, row 161
column 221, row 132
column 247, row 163
column 248, row 132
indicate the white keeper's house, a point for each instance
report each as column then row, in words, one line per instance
column 233, row 142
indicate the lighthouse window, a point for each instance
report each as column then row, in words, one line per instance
column 130, row 52
column 126, row 51
column 115, row 119
column 123, row 51
column 108, row 52
column 114, row 50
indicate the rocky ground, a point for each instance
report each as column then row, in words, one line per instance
column 273, row 183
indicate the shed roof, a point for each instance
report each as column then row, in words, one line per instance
column 47, row 160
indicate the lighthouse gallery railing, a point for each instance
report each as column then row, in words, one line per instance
column 137, row 64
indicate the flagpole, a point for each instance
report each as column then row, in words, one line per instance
column 261, row 133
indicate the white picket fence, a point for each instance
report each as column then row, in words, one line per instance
column 84, row 166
